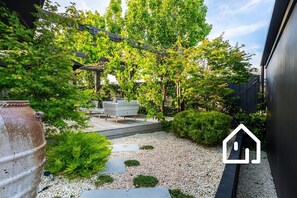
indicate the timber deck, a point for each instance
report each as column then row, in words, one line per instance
column 115, row 128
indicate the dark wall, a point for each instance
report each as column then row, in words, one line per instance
column 282, row 111
column 25, row 9
column 247, row 94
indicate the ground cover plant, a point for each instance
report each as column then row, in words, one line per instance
column 147, row 147
column 103, row 179
column 176, row 193
column 207, row 128
column 77, row 154
column 144, row 181
column 132, row 163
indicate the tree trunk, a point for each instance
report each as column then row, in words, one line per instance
column 178, row 95
column 163, row 98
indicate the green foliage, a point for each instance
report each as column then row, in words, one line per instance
column 103, row 179
column 211, row 66
column 142, row 181
column 164, row 23
column 255, row 122
column 183, row 122
column 231, row 62
column 132, row 163
column 39, row 67
column 167, row 125
column 176, row 193
column 171, row 25
column 147, row 147
column 77, row 154
column 207, row 128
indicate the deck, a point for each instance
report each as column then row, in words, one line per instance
column 114, row 128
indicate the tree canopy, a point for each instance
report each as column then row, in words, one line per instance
column 184, row 69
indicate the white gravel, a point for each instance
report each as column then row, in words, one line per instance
column 255, row 180
column 176, row 162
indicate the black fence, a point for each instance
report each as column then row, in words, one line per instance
column 247, row 94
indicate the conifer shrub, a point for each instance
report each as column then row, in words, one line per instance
column 77, row 154
column 207, row 128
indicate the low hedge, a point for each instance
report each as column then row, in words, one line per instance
column 207, row 128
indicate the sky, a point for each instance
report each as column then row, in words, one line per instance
column 242, row 21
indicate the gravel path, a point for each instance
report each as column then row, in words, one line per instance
column 255, row 180
column 176, row 162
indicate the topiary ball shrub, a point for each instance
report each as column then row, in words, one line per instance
column 132, row 163
column 145, row 181
column 147, row 147
column 77, row 154
column 103, row 179
column 176, row 193
column 207, row 128
column 183, row 121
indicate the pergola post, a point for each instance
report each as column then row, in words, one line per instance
column 97, row 85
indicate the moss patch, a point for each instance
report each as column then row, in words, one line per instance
column 177, row 193
column 145, row 181
column 103, row 179
column 147, row 147
column 132, row 163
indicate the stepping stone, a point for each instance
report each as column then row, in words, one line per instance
column 158, row 192
column 125, row 147
column 114, row 165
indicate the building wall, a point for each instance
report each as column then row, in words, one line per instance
column 282, row 111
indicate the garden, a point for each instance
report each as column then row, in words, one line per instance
column 159, row 54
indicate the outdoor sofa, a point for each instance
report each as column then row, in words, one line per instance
column 120, row 108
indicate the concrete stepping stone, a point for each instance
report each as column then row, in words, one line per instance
column 158, row 192
column 125, row 147
column 114, row 165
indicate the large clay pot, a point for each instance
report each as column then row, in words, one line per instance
column 22, row 149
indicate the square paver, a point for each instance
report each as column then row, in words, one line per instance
column 114, row 165
column 158, row 192
column 125, row 147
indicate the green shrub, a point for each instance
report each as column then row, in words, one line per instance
column 182, row 122
column 147, row 147
column 132, row 163
column 145, row 181
column 103, row 179
column 176, row 193
column 167, row 125
column 77, row 154
column 255, row 122
column 207, row 128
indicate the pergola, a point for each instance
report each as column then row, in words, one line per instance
column 25, row 10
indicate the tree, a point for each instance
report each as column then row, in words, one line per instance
column 39, row 67
column 165, row 25
column 211, row 66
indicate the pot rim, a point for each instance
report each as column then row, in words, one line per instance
column 14, row 103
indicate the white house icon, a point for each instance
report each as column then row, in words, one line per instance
column 246, row 160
